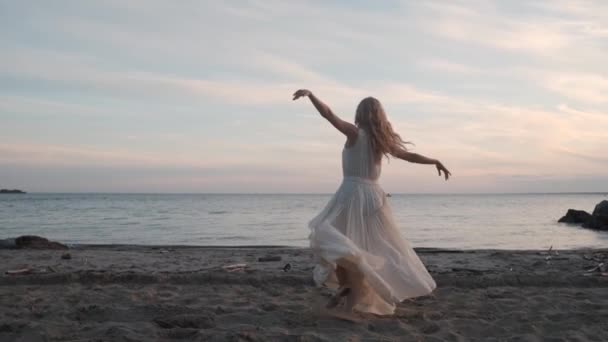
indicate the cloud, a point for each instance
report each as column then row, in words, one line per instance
column 442, row 65
column 68, row 70
column 537, row 33
column 601, row 159
column 28, row 105
column 583, row 87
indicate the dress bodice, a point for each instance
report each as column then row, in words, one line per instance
column 358, row 159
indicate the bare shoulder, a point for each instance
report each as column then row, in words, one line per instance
column 351, row 129
column 352, row 135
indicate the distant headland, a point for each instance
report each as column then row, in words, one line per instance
column 14, row 191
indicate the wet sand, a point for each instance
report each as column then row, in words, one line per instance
column 165, row 293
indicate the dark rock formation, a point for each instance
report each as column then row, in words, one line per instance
column 601, row 209
column 14, row 191
column 37, row 242
column 575, row 216
column 598, row 220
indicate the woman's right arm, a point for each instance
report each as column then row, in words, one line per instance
column 345, row 127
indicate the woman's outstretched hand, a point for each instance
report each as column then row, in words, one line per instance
column 440, row 168
column 301, row 93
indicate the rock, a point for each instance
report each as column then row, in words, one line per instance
column 8, row 244
column 66, row 256
column 601, row 209
column 575, row 216
column 14, row 191
column 37, row 242
column 598, row 220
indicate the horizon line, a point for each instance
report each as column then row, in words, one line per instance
column 314, row 193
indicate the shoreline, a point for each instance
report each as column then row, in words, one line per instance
column 417, row 249
column 210, row 293
column 111, row 246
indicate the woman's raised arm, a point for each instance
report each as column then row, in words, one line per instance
column 345, row 127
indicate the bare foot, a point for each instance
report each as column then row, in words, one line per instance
column 335, row 300
column 344, row 315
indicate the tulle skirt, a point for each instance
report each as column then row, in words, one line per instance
column 356, row 231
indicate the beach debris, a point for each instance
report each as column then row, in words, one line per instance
column 235, row 267
column 21, row 271
column 287, row 267
column 549, row 251
column 598, row 257
column 66, row 256
column 548, row 255
column 601, row 269
column 269, row 258
column 163, row 251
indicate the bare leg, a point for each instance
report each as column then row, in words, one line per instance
column 342, row 276
column 343, row 291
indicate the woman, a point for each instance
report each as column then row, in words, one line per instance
column 355, row 241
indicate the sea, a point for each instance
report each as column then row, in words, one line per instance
column 454, row 221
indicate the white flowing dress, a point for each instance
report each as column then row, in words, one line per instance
column 356, row 230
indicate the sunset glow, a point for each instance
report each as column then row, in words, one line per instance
column 153, row 96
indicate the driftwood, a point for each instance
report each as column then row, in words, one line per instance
column 471, row 270
column 235, row 267
column 21, row 271
column 270, row 258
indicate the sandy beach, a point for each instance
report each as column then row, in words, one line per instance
column 165, row 293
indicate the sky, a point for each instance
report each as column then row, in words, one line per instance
column 195, row 96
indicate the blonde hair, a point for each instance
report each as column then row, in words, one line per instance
column 371, row 117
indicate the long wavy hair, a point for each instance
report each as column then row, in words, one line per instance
column 371, row 117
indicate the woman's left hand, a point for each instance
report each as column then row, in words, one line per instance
column 440, row 168
column 301, row 93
